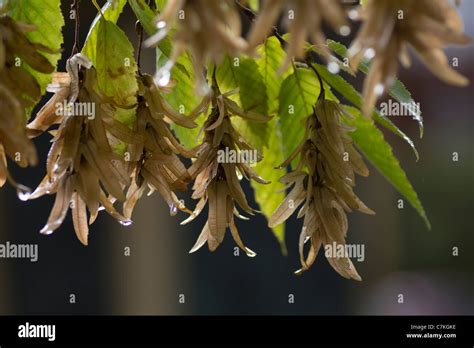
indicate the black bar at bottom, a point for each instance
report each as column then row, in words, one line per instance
column 415, row 330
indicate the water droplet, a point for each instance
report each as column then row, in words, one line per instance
column 379, row 89
column 333, row 67
column 161, row 25
column 369, row 54
column 173, row 209
column 344, row 30
column 163, row 77
column 239, row 175
column 250, row 253
column 23, row 192
column 125, row 222
column 353, row 14
column 46, row 231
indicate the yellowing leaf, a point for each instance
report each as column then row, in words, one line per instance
column 48, row 19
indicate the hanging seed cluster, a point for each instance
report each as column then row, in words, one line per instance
column 302, row 19
column 18, row 91
column 208, row 28
column 212, row 28
column 390, row 27
column 217, row 184
column 323, row 182
column 83, row 171
column 156, row 152
column 97, row 162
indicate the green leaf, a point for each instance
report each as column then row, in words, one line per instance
column 298, row 94
column 258, row 87
column 268, row 197
column 343, row 87
column 115, row 64
column 48, row 19
column 243, row 74
column 271, row 195
column 145, row 15
column 183, row 98
column 111, row 11
column 370, row 140
column 160, row 4
column 271, row 57
column 254, row 5
column 397, row 90
column 111, row 53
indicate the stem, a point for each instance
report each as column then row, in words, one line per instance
column 309, row 62
column 139, row 30
column 75, row 8
column 97, row 7
column 214, row 85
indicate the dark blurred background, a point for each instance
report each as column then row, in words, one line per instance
column 401, row 255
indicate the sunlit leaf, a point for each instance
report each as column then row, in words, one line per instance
column 370, row 140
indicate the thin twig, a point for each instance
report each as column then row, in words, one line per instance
column 97, row 7
column 139, row 30
column 309, row 62
column 75, row 8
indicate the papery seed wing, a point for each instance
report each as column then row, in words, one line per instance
column 288, row 206
column 238, row 240
column 79, row 218
column 60, row 208
column 134, row 193
column 234, row 109
column 234, row 187
column 202, row 239
column 199, row 207
column 217, row 195
column 104, row 170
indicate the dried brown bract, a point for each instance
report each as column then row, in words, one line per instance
column 216, row 182
column 323, row 182
column 155, row 155
column 19, row 90
column 303, row 19
column 209, row 28
column 388, row 28
column 83, row 171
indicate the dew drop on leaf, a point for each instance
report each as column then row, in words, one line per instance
column 161, row 25
column 333, row 67
column 163, row 77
